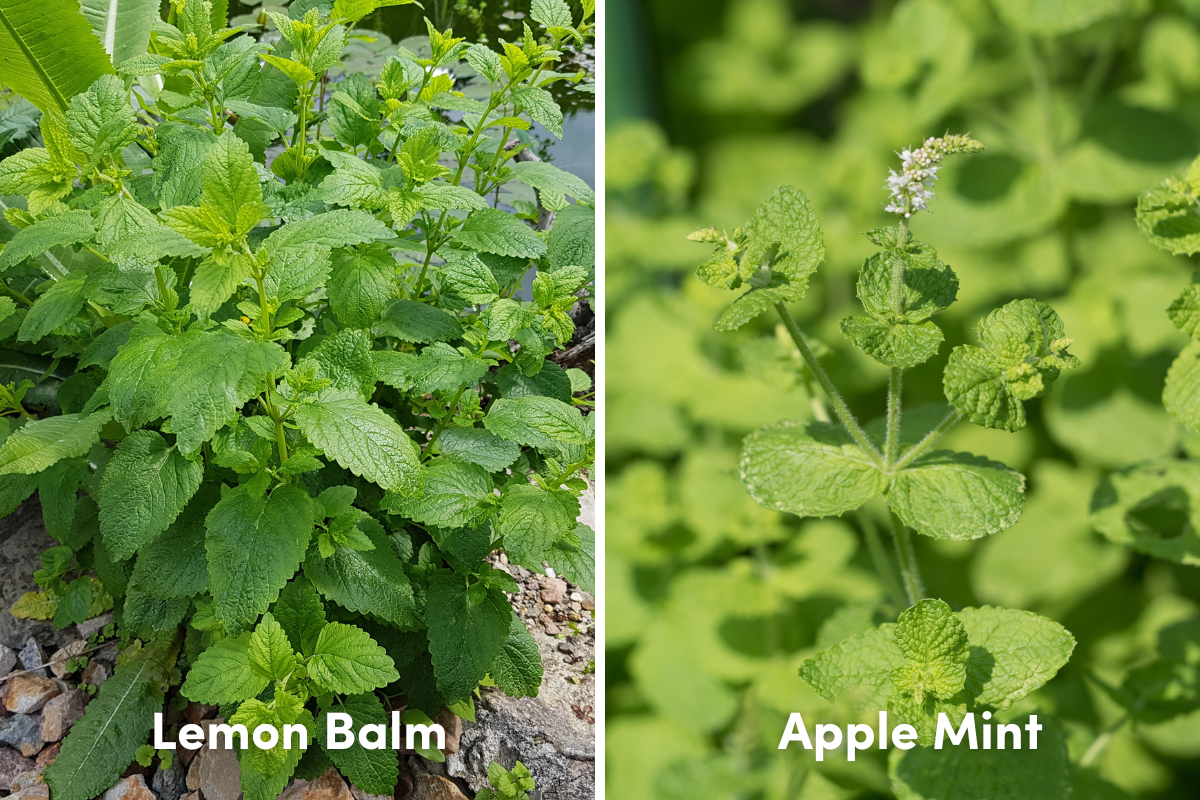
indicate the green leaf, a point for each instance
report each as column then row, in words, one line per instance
column 1054, row 17
column 539, row 104
column 347, row 660
column 354, row 183
column 222, row 674
column 302, row 615
column 572, row 240
column 1168, row 215
column 491, row 230
column 517, row 668
column 439, row 367
column 372, row 771
column 48, row 53
column 367, row 581
column 927, row 287
column 787, row 219
column 466, row 632
column 551, row 381
column 1180, row 391
column 179, row 164
column 478, row 446
column 361, row 283
column 957, row 496
column 257, row 785
column 58, row 489
column 150, row 617
column 61, row 302
column 453, row 498
column 551, row 13
column 1013, row 653
column 470, row 278
column 484, row 61
column 857, row 669
column 540, row 422
column 1169, row 686
column 1023, row 351
column 276, row 529
column 533, row 521
column 363, row 439
column 175, row 564
column 960, row 773
column 231, row 200
column 339, row 228
column 933, row 643
column 576, row 564
column 812, row 470
column 1153, row 508
column 215, row 282
column 100, row 121
column 547, row 177
column 145, row 486
column 417, row 322
column 214, row 376
column 894, row 344
column 123, row 27
column 756, row 301
column 440, row 196
column 270, row 653
column 103, row 742
column 346, row 360
column 284, row 709
column 67, row 228
column 1185, row 310
column 40, row 443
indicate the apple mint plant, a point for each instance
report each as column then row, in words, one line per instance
column 932, row 660
column 285, row 397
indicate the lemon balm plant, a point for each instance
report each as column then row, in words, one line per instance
column 292, row 399
column 932, row 661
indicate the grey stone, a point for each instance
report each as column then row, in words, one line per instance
column 132, row 788
column 86, row 628
column 12, row 764
column 23, row 732
column 60, row 713
column 60, row 661
column 23, row 539
column 34, row 790
column 554, row 590
column 216, row 773
column 32, row 657
column 435, row 787
column 95, row 673
column 29, row 693
column 8, row 660
column 170, row 784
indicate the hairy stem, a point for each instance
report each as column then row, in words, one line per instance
column 895, row 383
column 441, row 426
column 879, row 556
column 946, row 424
column 835, row 399
column 907, row 557
column 1101, row 742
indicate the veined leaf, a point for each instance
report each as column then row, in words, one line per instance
column 41, row 443
column 47, row 51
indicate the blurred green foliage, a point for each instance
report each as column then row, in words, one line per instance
column 712, row 601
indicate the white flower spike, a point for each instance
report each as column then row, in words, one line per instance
column 912, row 188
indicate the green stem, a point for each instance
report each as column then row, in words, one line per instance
column 946, row 424
column 441, row 426
column 1041, row 90
column 907, row 557
column 883, row 565
column 895, row 384
column 835, row 399
column 1101, row 742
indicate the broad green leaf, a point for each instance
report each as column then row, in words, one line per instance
column 135, row 385
column 215, row 282
column 231, row 198
column 439, row 367
column 812, row 470
column 339, row 228
column 934, row 646
column 417, row 322
column 1169, row 686
column 102, row 743
column 61, row 302
column 347, row 660
column 470, row 278
column 364, row 440
column 367, row 581
column 270, row 652
column 758, row 300
column 960, row 773
column 1180, row 391
column 551, row 13
column 857, row 669
column 540, row 105
column 214, row 376
column 175, row 564
column 1168, row 215
column 302, row 615
column 257, row 785
column 484, row 61
column 361, row 283
column 547, row 177
column 67, row 228
column 1054, row 17
column 346, row 360
column 48, row 53
column 284, row 709
column 927, row 287
column 491, row 230
column 466, row 632
column 453, row 498
column 222, row 673
column 786, row 218
column 146, row 485
column 40, row 443
column 572, row 240
column 354, row 111
column 1153, row 508
column 533, row 521
column 275, row 529
column 517, row 668
column 576, row 564
column 100, row 121
column 478, row 446
column 123, row 27
column 1185, row 311
column 179, row 163
column 440, row 196
column 58, row 488
column 149, row 617
column 372, row 771
column 1013, row 653
column 354, row 183
column 1023, row 351
column 540, row 422
column 894, row 344
column 957, row 496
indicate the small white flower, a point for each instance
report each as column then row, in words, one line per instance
column 912, row 188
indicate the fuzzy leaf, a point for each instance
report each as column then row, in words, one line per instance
column 43, row 442
column 517, row 668
column 491, row 230
column 372, row 771
column 364, row 440
column 347, row 660
column 222, row 674
column 367, row 581
column 466, row 632
column 957, row 496
column 454, row 493
column 894, row 344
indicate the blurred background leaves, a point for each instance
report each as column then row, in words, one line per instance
column 713, row 601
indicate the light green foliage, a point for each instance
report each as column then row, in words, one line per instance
column 517, row 783
column 957, row 496
column 269, row 357
column 1151, row 508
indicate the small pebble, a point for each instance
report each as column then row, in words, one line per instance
column 576, row 597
